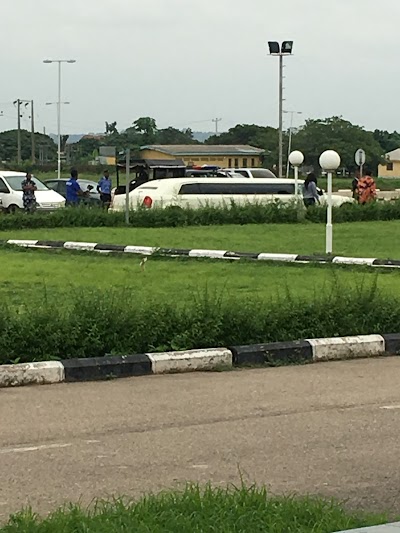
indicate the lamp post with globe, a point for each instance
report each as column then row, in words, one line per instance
column 330, row 162
column 296, row 159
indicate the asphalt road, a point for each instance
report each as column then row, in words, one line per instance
column 331, row 429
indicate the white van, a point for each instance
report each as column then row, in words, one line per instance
column 11, row 193
column 252, row 172
column 199, row 192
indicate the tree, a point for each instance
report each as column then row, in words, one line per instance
column 8, row 145
column 147, row 127
column 388, row 141
column 264, row 137
column 337, row 134
column 111, row 128
column 174, row 136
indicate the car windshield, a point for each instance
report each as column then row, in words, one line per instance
column 15, row 183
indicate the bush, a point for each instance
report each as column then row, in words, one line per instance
column 272, row 213
column 93, row 323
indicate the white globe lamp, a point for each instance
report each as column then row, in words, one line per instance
column 296, row 158
column 330, row 162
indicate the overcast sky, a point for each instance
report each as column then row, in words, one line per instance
column 184, row 62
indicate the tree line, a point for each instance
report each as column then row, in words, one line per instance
column 315, row 136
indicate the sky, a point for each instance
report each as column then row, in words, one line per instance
column 185, row 62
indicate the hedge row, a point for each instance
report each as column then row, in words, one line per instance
column 93, row 323
column 272, row 213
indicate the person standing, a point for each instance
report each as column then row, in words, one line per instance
column 104, row 188
column 366, row 189
column 74, row 191
column 28, row 193
column 310, row 191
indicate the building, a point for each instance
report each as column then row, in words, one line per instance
column 391, row 169
column 225, row 156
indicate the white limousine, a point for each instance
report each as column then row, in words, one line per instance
column 199, row 192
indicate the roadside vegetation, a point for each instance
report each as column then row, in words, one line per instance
column 242, row 510
column 271, row 213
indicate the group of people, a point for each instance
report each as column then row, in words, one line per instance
column 75, row 194
column 363, row 189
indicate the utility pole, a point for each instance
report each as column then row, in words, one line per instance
column 18, row 102
column 291, row 113
column 216, row 120
column 33, row 134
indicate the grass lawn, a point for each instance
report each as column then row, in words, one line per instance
column 29, row 272
column 363, row 239
column 244, row 510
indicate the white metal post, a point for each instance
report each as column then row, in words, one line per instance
column 59, row 122
column 128, row 164
column 296, row 182
column 329, row 231
column 290, row 148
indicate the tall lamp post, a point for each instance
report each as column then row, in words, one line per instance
column 59, row 62
column 330, row 162
column 291, row 113
column 275, row 49
column 296, row 159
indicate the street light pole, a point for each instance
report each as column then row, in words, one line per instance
column 275, row 49
column 296, row 159
column 59, row 61
column 280, row 115
column 330, row 162
column 290, row 137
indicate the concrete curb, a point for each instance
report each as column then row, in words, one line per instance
column 203, row 254
column 273, row 354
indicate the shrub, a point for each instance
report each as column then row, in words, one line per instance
column 92, row 323
column 272, row 213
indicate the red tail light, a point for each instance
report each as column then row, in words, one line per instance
column 147, row 202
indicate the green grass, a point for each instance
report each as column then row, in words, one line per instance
column 363, row 239
column 195, row 510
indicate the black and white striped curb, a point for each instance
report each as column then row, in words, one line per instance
column 273, row 354
column 203, row 254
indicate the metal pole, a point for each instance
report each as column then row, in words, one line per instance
column 329, row 235
column 59, row 122
column 33, row 134
column 19, row 131
column 280, row 115
column 128, row 164
column 290, row 143
column 296, row 182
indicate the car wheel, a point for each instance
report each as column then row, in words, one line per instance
column 13, row 208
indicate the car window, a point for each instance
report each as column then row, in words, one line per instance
column 190, row 188
column 262, row 173
column 15, row 183
column 246, row 188
column 52, row 185
column 242, row 172
column 3, row 187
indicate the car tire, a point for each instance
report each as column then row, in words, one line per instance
column 13, row 209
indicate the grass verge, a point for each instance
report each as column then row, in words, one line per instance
column 243, row 509
column 92, row 323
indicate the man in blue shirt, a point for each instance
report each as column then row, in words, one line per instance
column 104, row 188
column 74, row 192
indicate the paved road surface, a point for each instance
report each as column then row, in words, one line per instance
column 331, row 428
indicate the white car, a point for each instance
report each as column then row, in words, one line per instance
column 199, row 192
column 258, row 173
column 11, row 193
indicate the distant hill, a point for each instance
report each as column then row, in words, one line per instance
column 202, row 136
